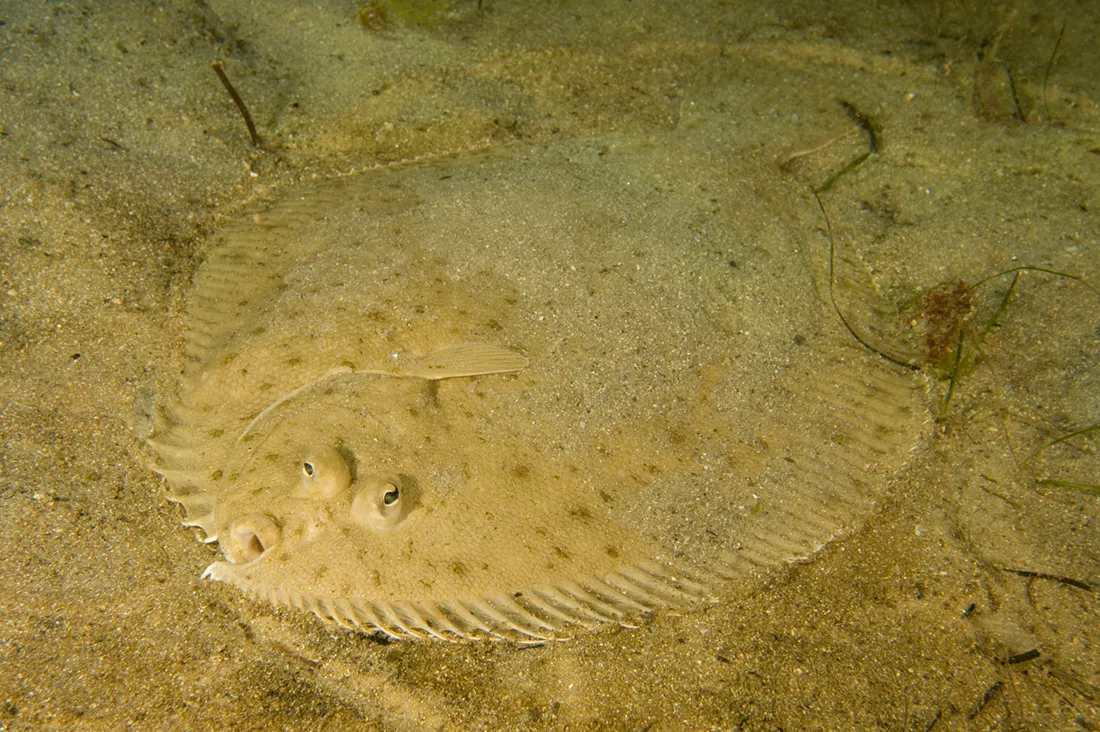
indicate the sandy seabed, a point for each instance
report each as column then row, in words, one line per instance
column 968, row 600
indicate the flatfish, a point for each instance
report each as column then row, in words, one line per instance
column 520, row 393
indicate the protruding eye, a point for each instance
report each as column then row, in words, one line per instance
column 249, row 537
column 377, row 503
column 325, row 475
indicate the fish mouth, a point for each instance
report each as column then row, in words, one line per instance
column 249, row 537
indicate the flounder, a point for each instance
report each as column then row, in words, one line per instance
column 513, row 394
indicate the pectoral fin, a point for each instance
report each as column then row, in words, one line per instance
column 464, row 359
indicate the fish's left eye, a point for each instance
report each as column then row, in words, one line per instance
column 325, row 474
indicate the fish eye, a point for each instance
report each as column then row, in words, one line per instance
column 325, row 474
column 376, row 502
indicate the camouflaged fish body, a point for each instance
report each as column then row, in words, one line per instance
column 513, row 395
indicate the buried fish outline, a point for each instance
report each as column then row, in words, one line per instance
column 652, row 453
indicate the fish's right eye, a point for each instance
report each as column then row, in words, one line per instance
column 376, row 503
